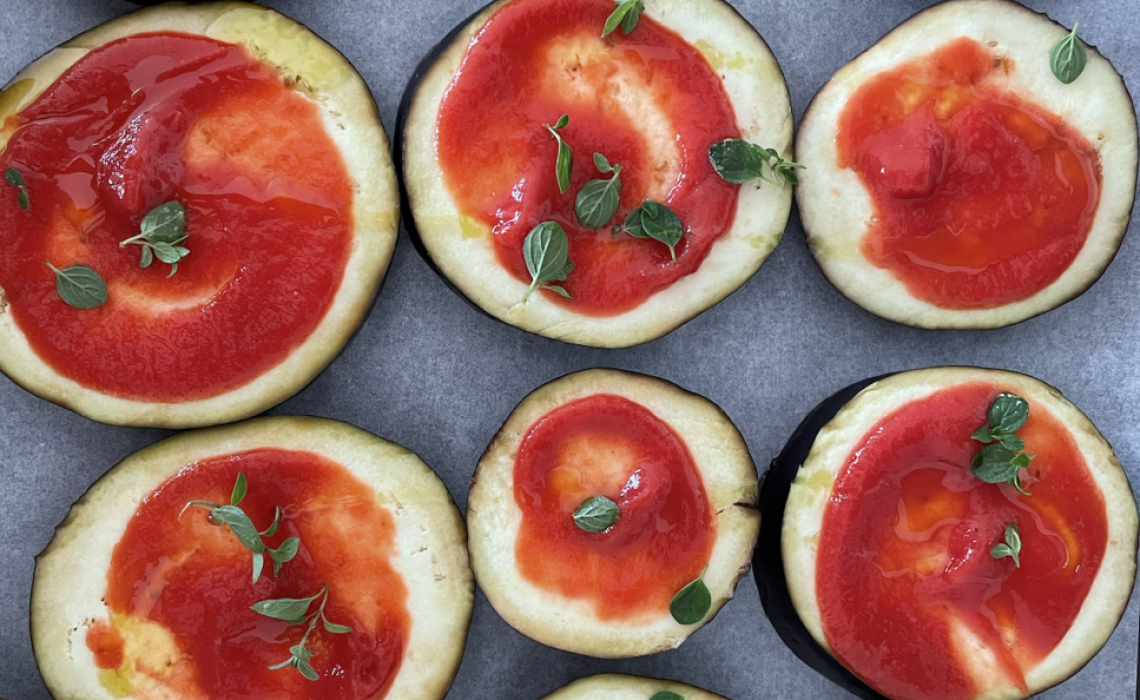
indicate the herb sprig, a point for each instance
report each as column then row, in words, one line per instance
column 565, row 162
column 739, row 162
column 295, row 611
column 1011, row 547
column 243, row 528
column 163, row 230
column 79, row 286
column 1069, row 57
column 626, row 16
column 598, row 199
column 657, row 221
column 16, row 179
column 1002, row 460
column 597, row 514
column 692, row 602
column 546, row 251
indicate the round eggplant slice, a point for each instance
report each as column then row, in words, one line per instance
column 904, row 532
column 150, row 586
column 215, row 188
column 481, row 167
column 612, row 686
column 613, row 514
column 954, row 181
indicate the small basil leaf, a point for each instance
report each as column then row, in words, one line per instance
column 307, row 671
column 737, row 161
column 1011, row 441
column 994, row 464
column 287, row 609
column 1008, row 413
column 272, row 529
column 14, row 177
column 598, row 201
column 241, row 486
column 1011, row 547
column 666, row 695
column 564, row 165
column 1069, row 57
column 602, row 163
column 621, row 17
column 335, row 628
column 1022, row 460
column 597, row 514
column 982, row 435
column 286, row 551
column 80, row 286
column 240, row 524
column 629, row 22
column 562, row 123
column 166, row 223
column 656, row 221
column 23, row 200
column 166, row 253
column 691, row 603
column 545, row 250
column 258, row 565
column 146, row 258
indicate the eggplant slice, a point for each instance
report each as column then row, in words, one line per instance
column 612, row 686
column 800, row 484
column 755, row 85
column 318, row 71
column 431, row 553
column 493, row 517
column 837, row 210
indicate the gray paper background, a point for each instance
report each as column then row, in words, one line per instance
column 429, row 372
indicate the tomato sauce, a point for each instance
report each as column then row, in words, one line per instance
column 605, row 445
column 536, row 60
column 904, row 553
column 173, row 567
column 981, row 198
column 154, row 118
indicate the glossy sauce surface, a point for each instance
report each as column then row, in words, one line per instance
column 648, row 101
column 142, row 121
column 605, row 445
column 981, row 198
column 905, row 571
column 173, row 568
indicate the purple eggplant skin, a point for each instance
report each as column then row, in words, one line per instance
column 768, row 563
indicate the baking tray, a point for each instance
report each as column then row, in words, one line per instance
column 429, row 372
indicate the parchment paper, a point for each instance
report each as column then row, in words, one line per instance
column 429, row 372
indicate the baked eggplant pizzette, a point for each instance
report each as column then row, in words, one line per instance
column 611, row 686
column 574, row 167
column 199, row 209
column 973, row 169
column 959, row 533
column 283, row 557
column 613, row 514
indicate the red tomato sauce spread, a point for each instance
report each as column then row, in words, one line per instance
column 175, row 568
column 149, row 119
column 905, row 567
column 981, row 198
column 605, row 445
column 536, row 60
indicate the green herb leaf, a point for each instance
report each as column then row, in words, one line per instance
column 288, row 609
column 1001, row 460
column 1069, row 57
column 241, row 486
column 738, row 162
column 240, row 524
column 80, row 286
column 565, row 162
column 16, row 179
column 598, row 199
column 546, row 251
column 258, row 565
column 1011, row 547
column 296, row 612
column 163, row 229
column 1008, row 413
column 283, row 554
column 656, row 221
column 626, row 16
column 335, row 628
column 667, row 695
column 597, row 514
column 691, row 603
column 272, row 529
